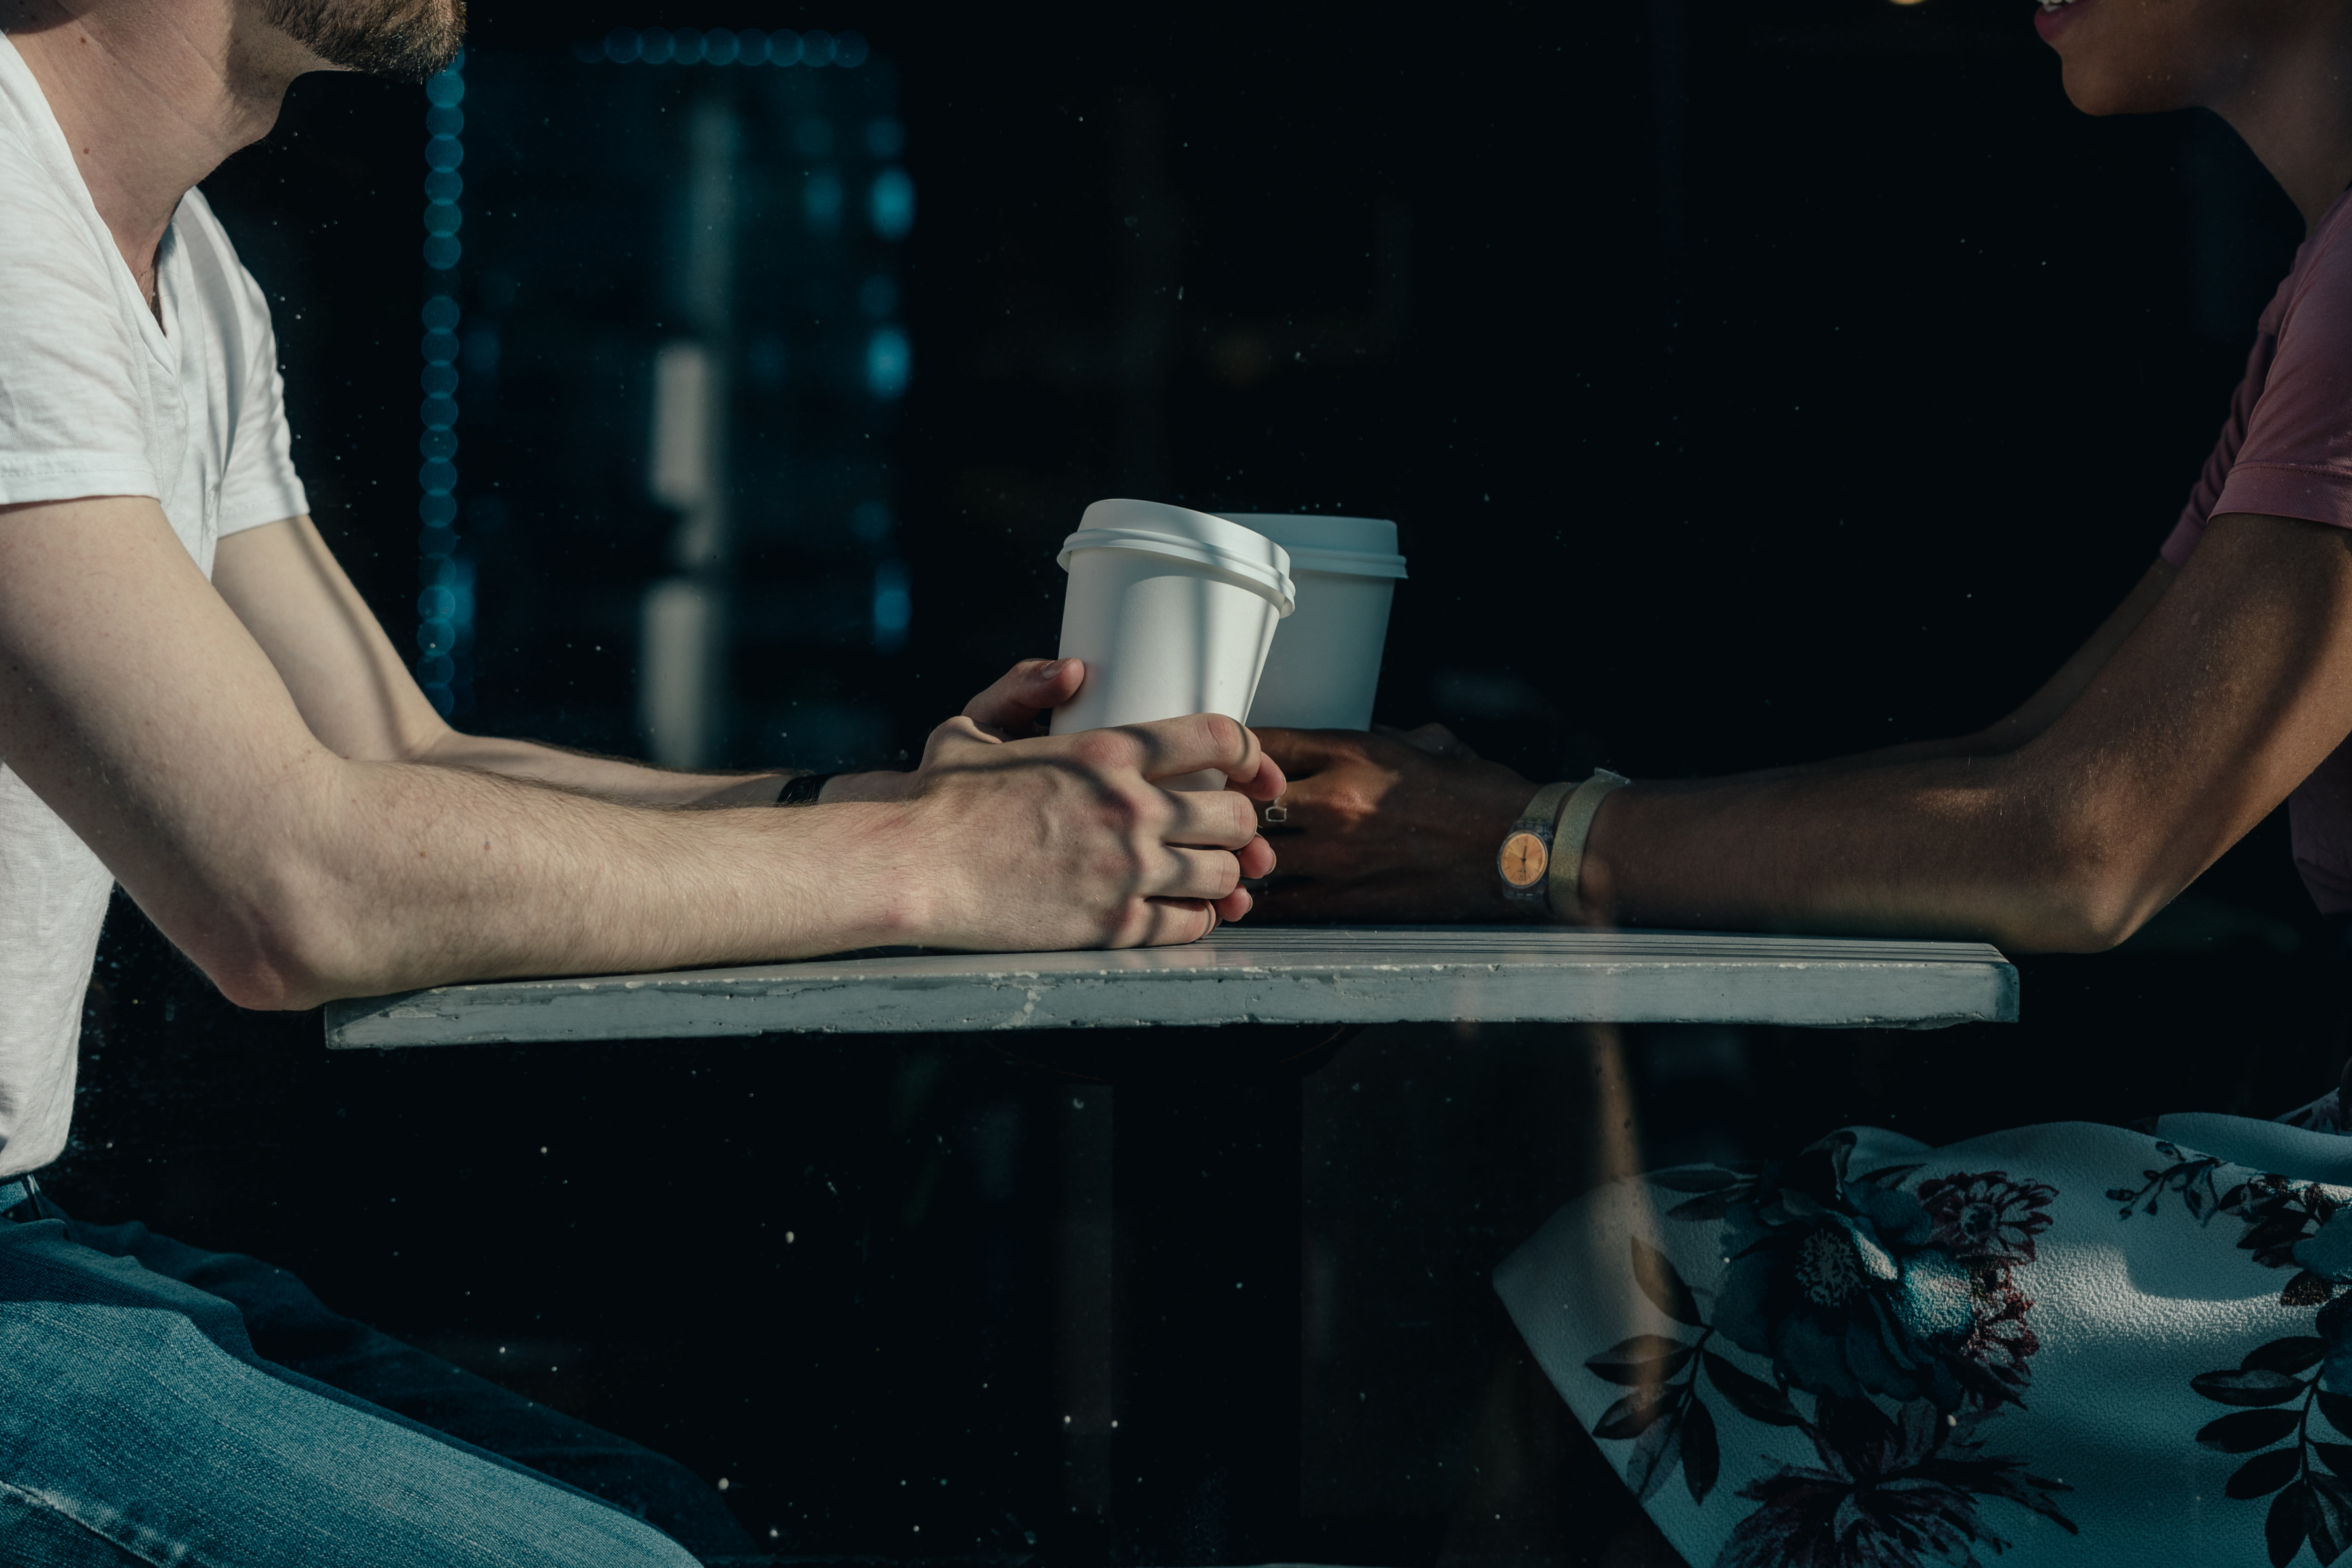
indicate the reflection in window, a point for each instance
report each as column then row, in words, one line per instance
column 678, row 339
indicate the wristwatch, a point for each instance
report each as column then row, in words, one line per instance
column 802, row 789
column 1524, row 862
column 1542, row 859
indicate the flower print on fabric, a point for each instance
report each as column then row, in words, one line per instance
column 1896, row 1316
column 1987, row 1217
column 1842, row 1284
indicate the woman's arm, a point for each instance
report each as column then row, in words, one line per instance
column 2232, row 688
column 2198, row 706
column 2037, row 713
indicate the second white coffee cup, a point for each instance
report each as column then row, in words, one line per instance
column 1172, row 611
column 1324, row 668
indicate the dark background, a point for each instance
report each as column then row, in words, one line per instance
column 1750, row 381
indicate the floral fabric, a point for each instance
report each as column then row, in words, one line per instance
column 2064, row 1344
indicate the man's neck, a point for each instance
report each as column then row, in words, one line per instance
column 152, row 96
column 2292, row 102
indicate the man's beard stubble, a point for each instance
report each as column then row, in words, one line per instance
column 407, row 40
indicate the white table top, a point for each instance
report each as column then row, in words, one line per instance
column 1241, row 974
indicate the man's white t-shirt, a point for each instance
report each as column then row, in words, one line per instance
column 97, row 398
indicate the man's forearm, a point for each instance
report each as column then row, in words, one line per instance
column 632, row 783
column 614, row 779
column 405, row 875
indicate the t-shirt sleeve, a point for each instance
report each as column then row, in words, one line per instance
column 70, row 376
column 260, row 485
column 2297, row 458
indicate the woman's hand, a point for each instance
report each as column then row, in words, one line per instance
column 1390, row 826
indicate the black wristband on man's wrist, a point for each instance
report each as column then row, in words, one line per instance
column 802, row 789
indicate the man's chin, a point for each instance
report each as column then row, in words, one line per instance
column 403, row 41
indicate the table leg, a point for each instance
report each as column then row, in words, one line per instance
column 1206, row 1194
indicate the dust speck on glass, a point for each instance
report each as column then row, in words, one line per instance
column 674, row 321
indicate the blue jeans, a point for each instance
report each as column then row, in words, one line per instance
column 162, row 1405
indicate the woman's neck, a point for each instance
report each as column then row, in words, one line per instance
column 2292, row 102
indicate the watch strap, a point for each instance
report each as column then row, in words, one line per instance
column 1566, row 877
column 802, row 789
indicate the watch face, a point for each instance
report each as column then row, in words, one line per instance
column 1524, row 861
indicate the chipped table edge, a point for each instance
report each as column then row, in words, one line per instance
column 1973, row 985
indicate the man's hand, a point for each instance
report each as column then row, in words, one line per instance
column 1067, row 840
column 1013, row 708
column 1390, row 826
column 1017, row 707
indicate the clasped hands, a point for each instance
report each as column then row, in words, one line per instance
column 1071, row 838
column 1017, row 838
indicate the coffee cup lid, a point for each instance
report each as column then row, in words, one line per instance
column 1195, row 537
column 1346, row 546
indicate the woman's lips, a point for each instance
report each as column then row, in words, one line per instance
column 2052, row 20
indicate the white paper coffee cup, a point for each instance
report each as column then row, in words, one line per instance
column 1324, row 668
column 1172, row 610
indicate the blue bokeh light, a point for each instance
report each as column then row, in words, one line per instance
column 444, row 610
column 894, row 605
column 891, row 203
column 821, row 199
column 724, row 46
column 890, row 361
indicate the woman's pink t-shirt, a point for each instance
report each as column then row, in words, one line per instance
column 2286, row 451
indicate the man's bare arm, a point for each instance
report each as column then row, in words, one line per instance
column 357, row 695
column 139, row 707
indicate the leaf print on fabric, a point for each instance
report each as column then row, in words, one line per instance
column 2282, row 1218
column 2190, row 1175
column 1669, row 1426
column 1887, row 1493
column 2311, row 1500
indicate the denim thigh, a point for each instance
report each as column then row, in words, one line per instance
column 134, row 1409
column 290, row 1326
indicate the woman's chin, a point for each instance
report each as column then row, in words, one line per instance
column 2100, row 91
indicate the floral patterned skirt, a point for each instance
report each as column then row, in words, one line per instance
column 2071, row 1343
